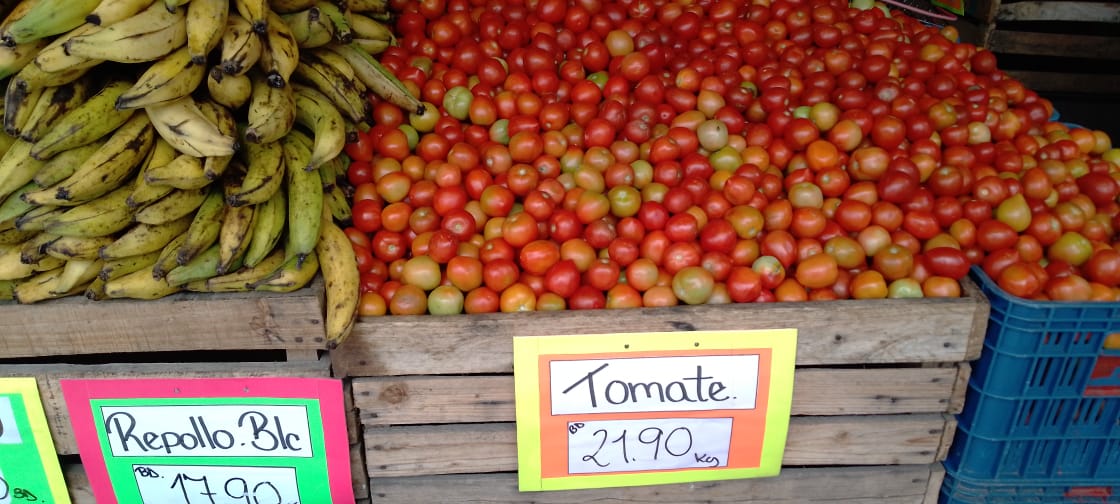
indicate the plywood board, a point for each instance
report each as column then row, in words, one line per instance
column 816, row 391
column 1054, row 44
column 492, row 447
column 1034, row 10
column 905, row 484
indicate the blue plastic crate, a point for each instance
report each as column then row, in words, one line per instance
column 961, row 490
column 1043, row 402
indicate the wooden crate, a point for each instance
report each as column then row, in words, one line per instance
column 875, row 388
column 182, row 336
column 1052, row 46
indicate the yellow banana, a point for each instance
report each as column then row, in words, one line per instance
column 343, row 92
column 309, row 27
column 222, row 117
column 290, row 6
column 272, row 111
column 206, row 20
column 340, row 278
column 176, row 204
column 17, row 167
column 372, row 46
column 144, row 193
column 183, row 172
column 184, row 126
column 143, row 238
column 14, row 206
column 12, row 266
column 37, row 218
column 85, row 124
column 256, row 12
column 78, row 247
column 230, row 90
column 233, row 237
column 334, row 197
column 57, row 168
column 263, row 177
column 18, row 105
column 139, row 284
column 102, row 216
column 318, row 114
column 172, row 77
column 146, row 36
column 368, row 6
column 35, row 249
column 241, row 48
column 76, row 275
column 342, row 30
column 41, row 287
column 7, row 290
column 55, row 58
column 110, row 11
column 114, row 268
column 368, row 28
column 167, row 259
column 105, row 169
column 13, row 59
column 280, row 54
column 53, row 104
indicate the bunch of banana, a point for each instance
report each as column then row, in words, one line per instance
column 153, row 147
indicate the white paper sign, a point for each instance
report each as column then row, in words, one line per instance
column 234, row 430
column 170, row 484
column 693, row 383
column 648, row 444
column 9, row 430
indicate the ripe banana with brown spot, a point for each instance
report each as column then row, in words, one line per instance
column 341, row 280
column 240, row 47
column 230, row 90
column 143, row 238
column 206, row 20
column 272, row 111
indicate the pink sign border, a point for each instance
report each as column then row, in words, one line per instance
column 328, row 391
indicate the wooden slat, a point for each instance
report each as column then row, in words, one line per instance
column 358, row 471
column 354, row 437
column 249, row 321
column 492, row 447
column 1062, row 82
column 54, row 405
column 833, row 332
column 78, row 484
column 816, row 391
column 840, row 485
column 933, row 487
column 960, row 388
column 1034, row 10
column 1054, row 44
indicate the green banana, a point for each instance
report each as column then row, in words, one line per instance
column 342, row 31
column 309, row 27
column 378, row 78
column 292, row 275
column 343, row 92
column 167, row 259
column 46, row 18
column 204, row 227
column 183, row 172
column 305, row 201
column 316, row 113
column 241, row 279
column 14, row 206
column 62, row 165
column 272, row 218
column 17, row 167
column 201, row 268
column 37, row 218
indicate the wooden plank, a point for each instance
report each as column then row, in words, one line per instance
column 58, row 418
column 492, row 447
column 188, row 321
column 817, row 391
column 933, row 487
column 358, row 471
column 982, row 10
column 960, row 388
column 832, row 332
column 1054, row 44
column 1062, row 82
column 840, row 485
column 975, row 344
column 1035, row 10
column 78, row 484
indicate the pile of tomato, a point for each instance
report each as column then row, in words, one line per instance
column 581, row 154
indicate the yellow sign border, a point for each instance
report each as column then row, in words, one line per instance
column 28, row 388
column 528, row 349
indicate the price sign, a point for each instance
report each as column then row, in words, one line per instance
column 213, row 441
column 609, row 410
column 29, row 470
